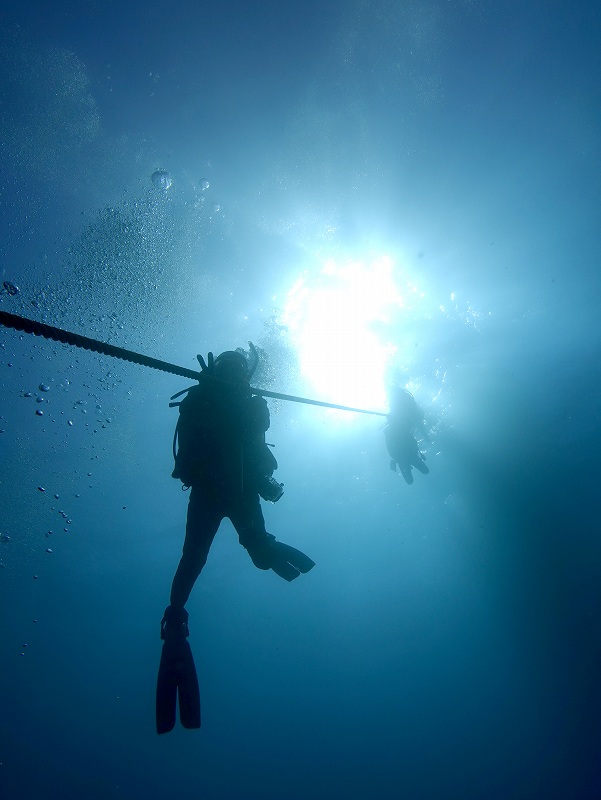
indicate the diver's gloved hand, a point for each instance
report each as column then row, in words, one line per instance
column 405, row 453
column 208, row 368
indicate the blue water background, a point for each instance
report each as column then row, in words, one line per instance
column 448, row 643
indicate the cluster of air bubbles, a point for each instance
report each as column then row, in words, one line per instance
column 80, row 405
column 204, row 186
column 161, row 179
column 39, row 399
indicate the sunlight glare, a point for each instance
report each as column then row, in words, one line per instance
column 338, row 322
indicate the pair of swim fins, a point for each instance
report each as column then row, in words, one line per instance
column 177, row 675
column 288, row 562
column 177, row 678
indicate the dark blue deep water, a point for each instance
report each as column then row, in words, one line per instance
column 369, row 190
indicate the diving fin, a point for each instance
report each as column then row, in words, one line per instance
column 288, row 562
column 177, row 675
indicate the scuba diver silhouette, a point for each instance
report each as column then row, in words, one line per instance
column 224, row 459
column 403, row 419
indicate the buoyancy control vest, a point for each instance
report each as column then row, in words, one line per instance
column 221, row 437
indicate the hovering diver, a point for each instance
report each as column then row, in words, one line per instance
column 399, row 434
column 224, row 459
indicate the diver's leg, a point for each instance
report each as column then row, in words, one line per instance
column 247, row 518
column 177, row 672
column 204, row 518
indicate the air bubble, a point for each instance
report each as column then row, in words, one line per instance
column 161, row 179
column 11, row 288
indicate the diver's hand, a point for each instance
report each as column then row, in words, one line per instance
column 209, row 368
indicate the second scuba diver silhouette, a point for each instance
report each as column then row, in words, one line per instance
column 403, row 419
column 225, row 461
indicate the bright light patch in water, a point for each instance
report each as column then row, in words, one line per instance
column 338, row 321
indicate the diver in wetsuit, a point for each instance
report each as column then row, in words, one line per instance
column 223, row 457
column 399, row 432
